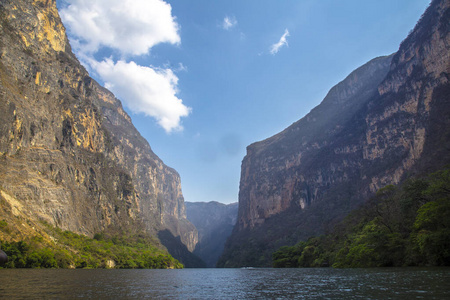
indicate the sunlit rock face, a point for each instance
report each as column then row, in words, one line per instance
column 69, row 153
column 386, row 121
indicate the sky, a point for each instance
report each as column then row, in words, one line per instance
column 203, row 79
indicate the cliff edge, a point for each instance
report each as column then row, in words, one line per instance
column 69, row 153
column 388, row 120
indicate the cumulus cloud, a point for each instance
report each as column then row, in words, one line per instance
column 130, row 26
column 229, row 22
column 151, row 91
column 282, row 42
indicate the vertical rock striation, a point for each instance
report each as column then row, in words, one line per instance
column 387, row 120
column 69, row 153
column 289, row 168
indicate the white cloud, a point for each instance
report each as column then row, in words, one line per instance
column 145, row 90
column 282, row 42
column 130, row 26
column 181, row 68
column 229, row 22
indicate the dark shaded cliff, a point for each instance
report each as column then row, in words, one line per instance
column 69, row 153
column 387, row 120
column 214, row 222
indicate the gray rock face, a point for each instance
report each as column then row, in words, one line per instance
column 385, row 121
column 288, row 168
column 69, row 153
column 214, row 222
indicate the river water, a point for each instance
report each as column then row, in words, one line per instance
column 402, row 283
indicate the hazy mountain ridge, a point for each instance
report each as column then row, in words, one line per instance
column 70, row 154
column 214, row 222
column 300, row 181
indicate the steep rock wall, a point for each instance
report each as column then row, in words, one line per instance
column 286, row 169
column 380, row 125
column 69, row 153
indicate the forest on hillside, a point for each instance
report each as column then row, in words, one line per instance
column 406, row 225
column 70, row 250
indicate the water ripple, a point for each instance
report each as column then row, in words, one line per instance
column 407, row 283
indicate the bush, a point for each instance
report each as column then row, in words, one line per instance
column 407, row 225
column 126, row 251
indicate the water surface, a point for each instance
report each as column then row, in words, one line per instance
column 406, row 283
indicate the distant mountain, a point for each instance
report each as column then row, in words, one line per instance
column 388, row 120
column 69, row 154
column 214, row 222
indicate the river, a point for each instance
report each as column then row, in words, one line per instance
column 395, row 283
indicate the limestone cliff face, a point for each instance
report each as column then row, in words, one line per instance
column 69, row 153
column 385, row 121
column 288, row 168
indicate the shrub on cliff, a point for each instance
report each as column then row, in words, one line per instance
column 78, row 251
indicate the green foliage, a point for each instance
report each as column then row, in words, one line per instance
column 288, row 257
column 3, row 224
column 408, row 225
column 77, row 251
column 303, row 255
column 432, row 232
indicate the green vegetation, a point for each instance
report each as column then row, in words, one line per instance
column 71, row 250
column 400, row 226
column 4, row 226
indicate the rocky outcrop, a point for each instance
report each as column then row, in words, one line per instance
column 289, row 168
column 386, row 121
column 214, row 222
column 69, row 153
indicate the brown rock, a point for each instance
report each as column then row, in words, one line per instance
column 69, row 153
column 384, row 122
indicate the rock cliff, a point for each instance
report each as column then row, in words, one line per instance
column 69, row 153
column 387, row 120
column 214, row 222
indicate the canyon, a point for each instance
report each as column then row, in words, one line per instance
column 214, row 222
column 71, row 158
column 387, row 121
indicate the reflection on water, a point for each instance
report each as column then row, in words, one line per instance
column 407, row 283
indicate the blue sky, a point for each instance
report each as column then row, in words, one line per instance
column 203, row 79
